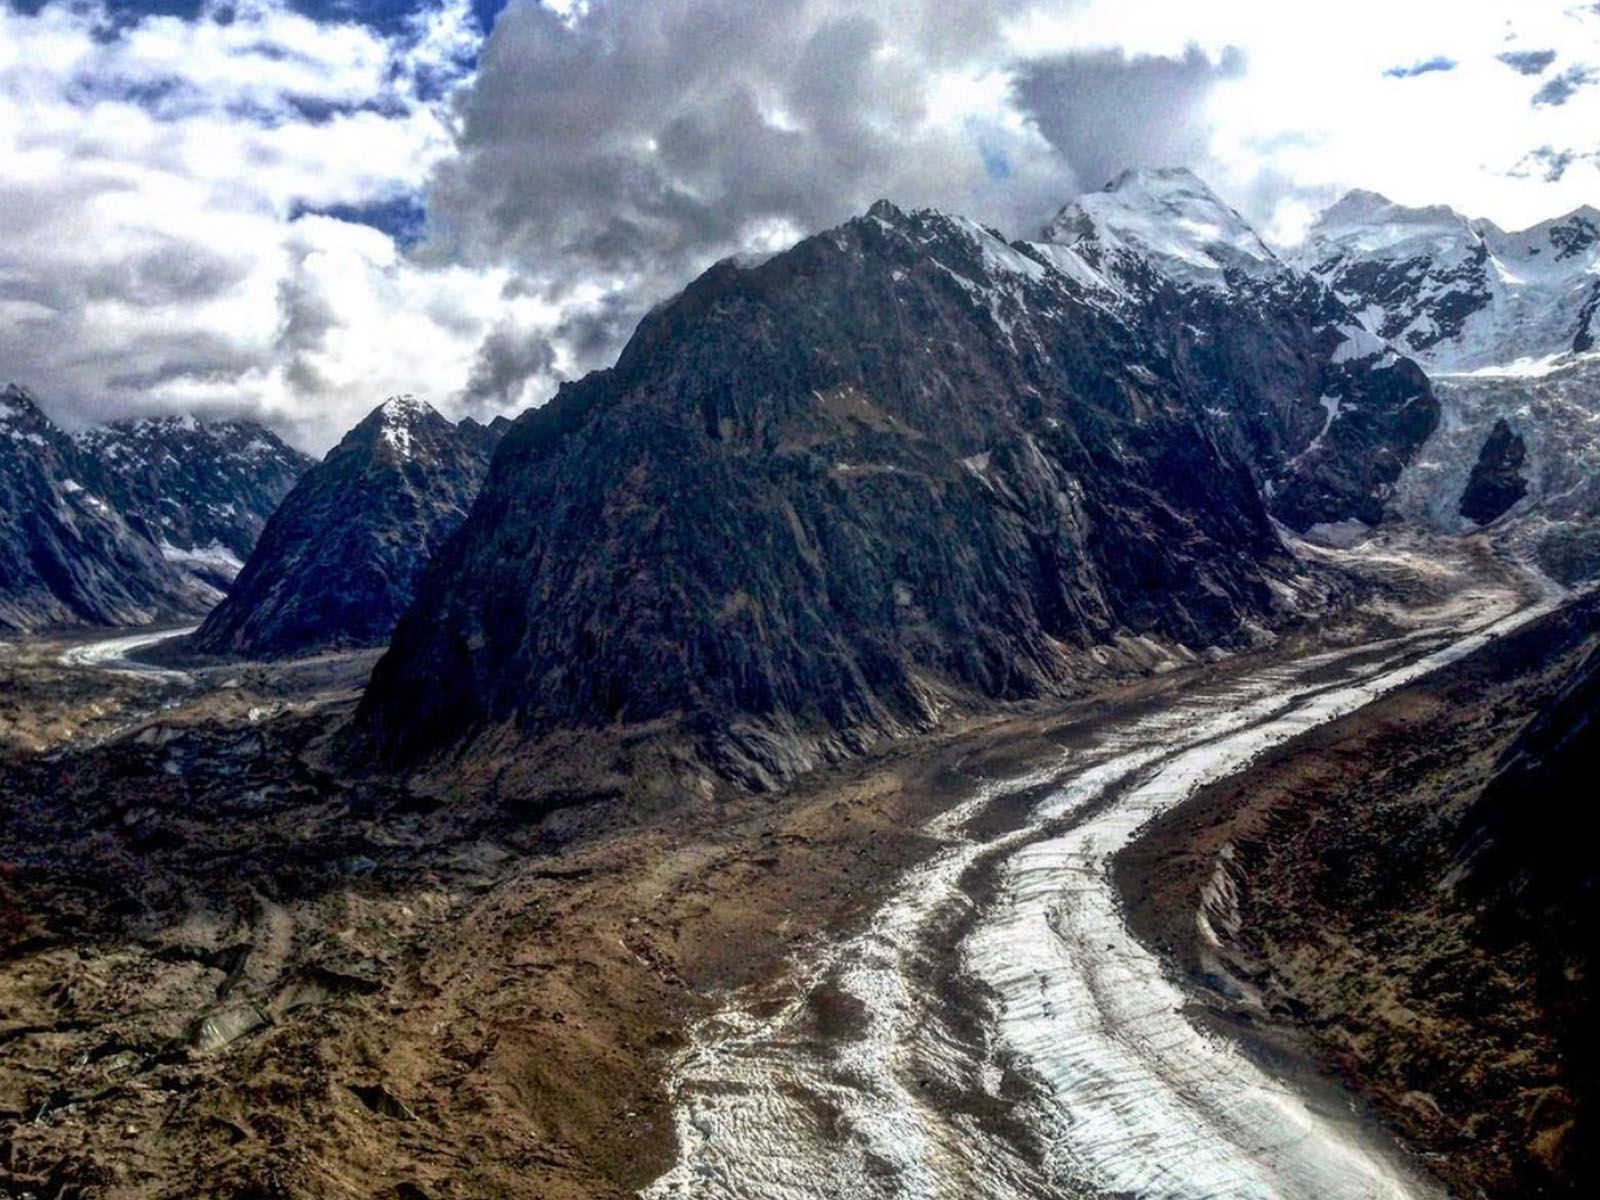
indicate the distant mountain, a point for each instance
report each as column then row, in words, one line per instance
column 1505, row 324
column 201, row 491
column 901, row 466
column 338, row 562
column 1166, row 222
column 1459, row 294
column 67, row 555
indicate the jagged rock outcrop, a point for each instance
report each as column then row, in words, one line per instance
column 338, row 562
column 200, row 490
column 816, row 498
column 1496, row 482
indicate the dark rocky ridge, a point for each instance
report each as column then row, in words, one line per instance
column 818, row 498
column 1496, row 482
column 338, row 562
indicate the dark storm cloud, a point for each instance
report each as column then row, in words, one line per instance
column 646, row 140
column 506, row 360
column 1559, row 90
column 1427, row 66
column 174, row 273
column 1528, row 62
column 1106, row 111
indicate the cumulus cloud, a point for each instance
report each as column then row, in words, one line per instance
column 165, row 181
column 627, row 149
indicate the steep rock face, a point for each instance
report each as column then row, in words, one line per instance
column 200, row 491
column 1496, row 482
column 902, row 460
column 1327, row 413
column 67, row 556
column 338, row 561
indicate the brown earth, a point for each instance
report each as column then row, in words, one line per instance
column 1327, row 874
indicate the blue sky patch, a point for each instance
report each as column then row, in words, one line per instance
column 404, row 218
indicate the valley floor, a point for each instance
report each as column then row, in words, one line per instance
column 228, row 969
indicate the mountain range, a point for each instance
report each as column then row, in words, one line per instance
column 128, row 523
column 1125, row 418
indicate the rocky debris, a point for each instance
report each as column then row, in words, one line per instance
column 338, row 562
column 1496, row 482
column 819, row 499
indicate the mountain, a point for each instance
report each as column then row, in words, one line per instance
column 1166, row 221
column 338, row 561
column 903, row 465
column 1327, row 413
column 1459, row 294
column 1505, row 324
column 201, row 491
column 67, row 555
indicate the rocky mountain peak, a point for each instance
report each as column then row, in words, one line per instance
column 20, row 414
column 338, row 561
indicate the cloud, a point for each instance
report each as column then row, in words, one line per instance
column 290, row 208
column 506, row 360
column 202, row 206
column 1106, row 111
column 621, row 152
column 1548, row 164
column 1558, row 90
column 1528, row 62
column 1426, row 66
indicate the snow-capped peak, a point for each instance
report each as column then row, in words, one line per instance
column 397, row 419
column 404, row 409
column 1461, row 294
column 1367, row 223
column 1167, row 218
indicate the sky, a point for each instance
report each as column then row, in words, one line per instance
column 291, row 209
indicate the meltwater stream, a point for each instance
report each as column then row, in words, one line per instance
column 997, row 1032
